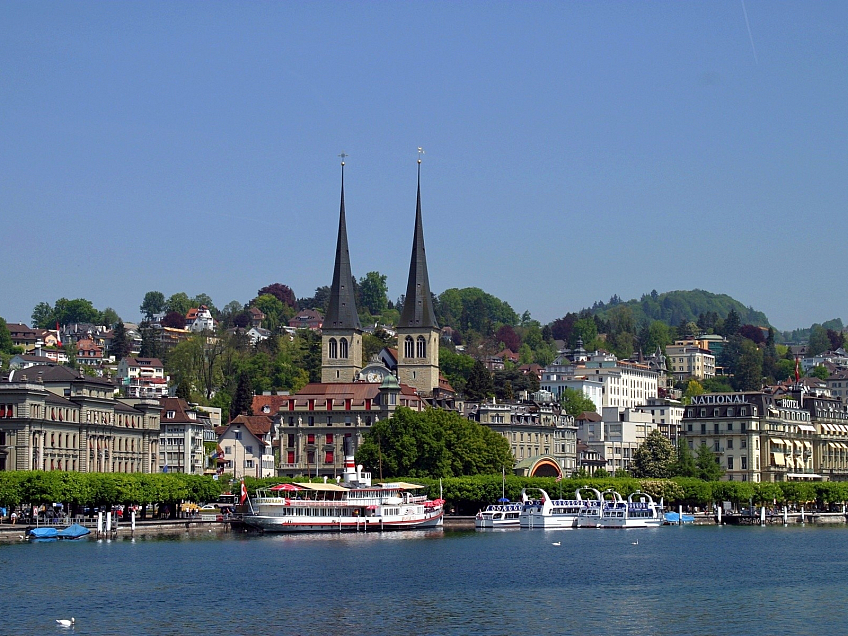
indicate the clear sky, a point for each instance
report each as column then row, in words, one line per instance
column 574, row 150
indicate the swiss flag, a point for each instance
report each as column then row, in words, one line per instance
column 243, row 492
column 58, row 335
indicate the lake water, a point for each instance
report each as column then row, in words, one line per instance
column 690, row 580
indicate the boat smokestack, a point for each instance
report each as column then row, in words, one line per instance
column 349, row 464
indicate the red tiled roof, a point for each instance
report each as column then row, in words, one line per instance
column 259, row 425
column 144, row 362
column 179, row 406
column 273, row 402
column 589, row 416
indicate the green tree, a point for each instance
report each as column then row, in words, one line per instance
column 308, row 356
column 748, row 374
column 480, row 384
column 819, row 371
column 707, row 463
column 109, row 317
column 716, row 385
column 654, row 457
column 685, row 465
column 432, row 443
column 658, row 334
column 456, row 367
column 5, row 337
column 585, row 329
column 179, row 303
column 75, row 311
column 121, row 344
column 153, row 303
column 184, row 390
column 575, row 402
column 204, row 299
column 273, row 309
column 243, row 399
column 693, row 388
column 372, row 293
column 731, row 324
column 43, row 316
column 819, row 342
column 472, row 308
column 784, row 369
column 149, row 342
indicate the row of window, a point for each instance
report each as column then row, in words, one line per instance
column 414, row 349
column 310, row 421
column 337, row 349
column 730, row 412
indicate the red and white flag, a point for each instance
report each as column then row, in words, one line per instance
column 58, row 335
column 243, row 493
column 797, row 372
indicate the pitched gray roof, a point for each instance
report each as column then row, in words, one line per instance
column 342, row 311
column 418, row 303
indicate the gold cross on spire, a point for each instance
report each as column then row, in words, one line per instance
column 343, row 156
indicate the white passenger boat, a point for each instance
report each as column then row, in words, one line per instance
column 354, row 505
column 639, row 511
column 546, row 513
column 501, row 515
column 590, row 516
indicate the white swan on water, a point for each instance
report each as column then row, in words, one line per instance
column 65, row 622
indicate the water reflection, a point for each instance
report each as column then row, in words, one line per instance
column 698, row 580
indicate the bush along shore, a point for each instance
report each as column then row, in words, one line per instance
column 463, row 495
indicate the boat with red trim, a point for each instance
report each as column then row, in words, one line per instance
column 355, row 504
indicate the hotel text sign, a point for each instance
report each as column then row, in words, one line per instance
column 720, row 399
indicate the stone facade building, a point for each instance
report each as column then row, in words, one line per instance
column 537, row 429
column 760, row 436
column 55, row 418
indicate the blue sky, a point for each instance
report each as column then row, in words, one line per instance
column 574, row 150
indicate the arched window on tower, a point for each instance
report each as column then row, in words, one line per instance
column 333, row 348
column 421, row 346
column 408, row 347
column 343, row 348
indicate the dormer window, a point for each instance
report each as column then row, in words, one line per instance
column 170, row 415
column 266, row 409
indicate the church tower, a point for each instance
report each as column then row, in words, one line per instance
column 418, row 332
column 341, row 339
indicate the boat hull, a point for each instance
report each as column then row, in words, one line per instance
column 341, row 524
column 546, row 522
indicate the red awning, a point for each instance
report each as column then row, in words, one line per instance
column 288, row 487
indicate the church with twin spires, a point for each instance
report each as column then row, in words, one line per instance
column 417, row 358
column 354, row 394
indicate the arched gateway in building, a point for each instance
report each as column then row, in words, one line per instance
column 539, row 466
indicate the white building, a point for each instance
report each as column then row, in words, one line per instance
column 666, row 415
column 246, row 442
column 688, row 359
column 200, row 319
column 557, row 381
column 181, row 437
column 617, row 436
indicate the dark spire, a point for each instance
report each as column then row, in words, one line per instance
column 418, row 304
column 342, row 311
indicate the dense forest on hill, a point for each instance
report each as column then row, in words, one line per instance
column 677, row 307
